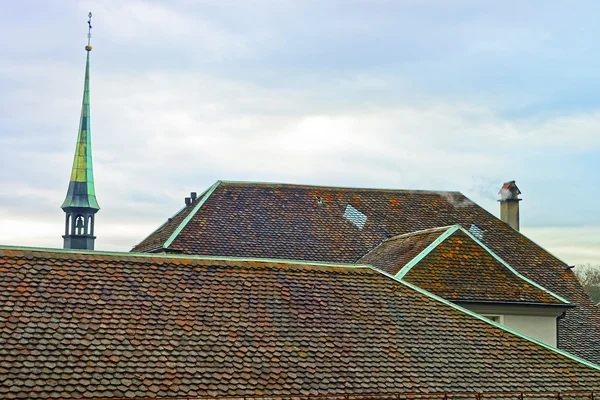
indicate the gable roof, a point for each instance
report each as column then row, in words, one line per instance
column 159, row 239
column 453, row 264
column 307, row 222
column 394, row 253
column 128, row 325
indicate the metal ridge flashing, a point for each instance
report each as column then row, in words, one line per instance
column 486, row 320
column 190, row 215
column 160, row 227
column 165, row 223
column 447, row 234
column 427, row 250
column 514, row 271
column 128, row 254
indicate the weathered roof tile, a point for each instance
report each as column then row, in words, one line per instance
column 374, row 334
column 448, row 262
column 307, row 223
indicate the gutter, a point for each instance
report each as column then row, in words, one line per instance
column 515, row 303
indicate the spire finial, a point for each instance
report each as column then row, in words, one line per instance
column 89, row 35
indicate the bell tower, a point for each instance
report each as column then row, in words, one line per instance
column 80, row 205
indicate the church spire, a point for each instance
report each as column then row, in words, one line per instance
column 80, row 204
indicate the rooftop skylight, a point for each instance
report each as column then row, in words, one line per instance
column 356, row 217
column 476, row 231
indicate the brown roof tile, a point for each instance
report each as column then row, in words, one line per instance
column 308, row 223
column 457, row 268
column 394, row 253
column 156, row 240
column 116, row 325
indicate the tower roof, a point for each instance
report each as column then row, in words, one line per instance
column 81, row 191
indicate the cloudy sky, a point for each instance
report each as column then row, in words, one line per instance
column 413, row 94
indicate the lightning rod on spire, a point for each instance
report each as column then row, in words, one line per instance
column 89, row 35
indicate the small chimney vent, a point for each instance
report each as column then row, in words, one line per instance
column 188, row 201
column 509, row 204
column 193, row 195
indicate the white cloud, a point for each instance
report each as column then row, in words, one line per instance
column 158, row 135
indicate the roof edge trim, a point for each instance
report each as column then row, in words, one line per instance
column 486, row 320
column 190, row 215
column 511, row 269
column 159, row 227
column 181, row 256
column 523, row 235
column 427, row 250
column 517, row 303
column 543, row 248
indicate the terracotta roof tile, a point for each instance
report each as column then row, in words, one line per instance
column 307, row 223
column 394, row 253
column 457, row 268
column 110, row 325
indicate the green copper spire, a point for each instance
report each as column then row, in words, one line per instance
column 80, row 205
column 81, row 191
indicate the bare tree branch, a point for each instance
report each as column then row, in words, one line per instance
column 589, row 276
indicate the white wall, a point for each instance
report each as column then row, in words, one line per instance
column 536, row 322
column 540, row 328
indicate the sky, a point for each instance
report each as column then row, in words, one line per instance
column 411, row 94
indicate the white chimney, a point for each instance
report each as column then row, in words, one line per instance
column 509, row 204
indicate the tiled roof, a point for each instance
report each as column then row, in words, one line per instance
column 455, row 267
column 308, row 223
column 129, row 325
column 156, row 240
column 159, row 239
column 394, row 253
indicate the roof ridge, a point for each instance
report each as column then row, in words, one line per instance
column 408, row 266
column 412, row 263
column 187, row 219
column 402, row 236
column 484, row 210
column 511, row 269
column 224, row 182
column 167, row 256
column 160, row 226
column 420, row 232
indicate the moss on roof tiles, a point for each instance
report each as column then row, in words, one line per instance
column 306, row 222
column 124, row 319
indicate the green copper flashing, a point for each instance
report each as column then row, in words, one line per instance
column 81, row 192
column 165, row 223
column 191, row 215
column 489, row 321
column 446, row 235
column 426, row 251
column 514, row 271
column 305, row 263
column 183, row 257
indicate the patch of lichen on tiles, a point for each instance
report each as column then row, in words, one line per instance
column 458, row 269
